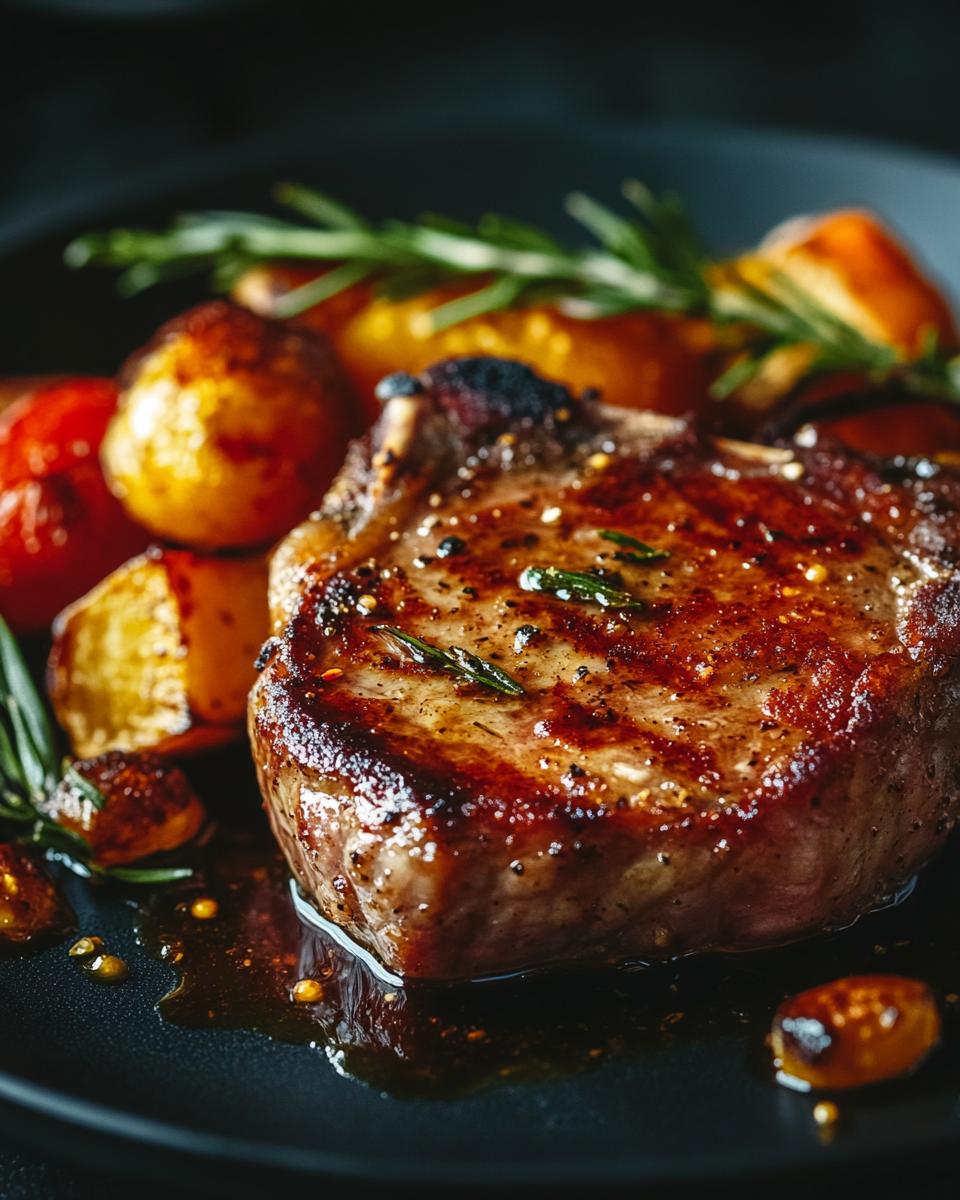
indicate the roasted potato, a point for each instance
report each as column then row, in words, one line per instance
column 60, row 528
column 30, row 905
column 229, row 428
column 160, row 654
column 643, row 360
column 150, row 807
column 857, row 269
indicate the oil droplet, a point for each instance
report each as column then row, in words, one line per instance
column 204, row 908
column 107, row 968
column 85, row 946
column 826, row 1113
column 307, row 991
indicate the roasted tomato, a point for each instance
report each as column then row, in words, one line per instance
column 854, row 1031
column 150, row 807
column 60, row 528
column 229, row 428
column 643, row 360
column 30, row 905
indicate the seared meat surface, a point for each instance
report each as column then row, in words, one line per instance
column 768, row 747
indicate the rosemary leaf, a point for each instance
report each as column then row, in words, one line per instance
column 20, row 696
column 634, row 550
column 146, row 875
column 578, row 585
column 89, row 791
column 30, row 769
column 456, row 661
column 652, row 261
column 318, row 207
column 325, row 286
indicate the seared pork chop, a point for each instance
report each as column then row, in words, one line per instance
column 739, row 744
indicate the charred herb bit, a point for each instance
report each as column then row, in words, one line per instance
column 456, row 661
column 30, row 769
column 578, row 585
column 634, row 550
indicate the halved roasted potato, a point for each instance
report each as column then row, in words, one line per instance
column 159, row 655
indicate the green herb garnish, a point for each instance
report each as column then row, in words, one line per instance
column 456, row 661
column 635, row 551
column 650, row 260
column 30, row 769
column 578, row 585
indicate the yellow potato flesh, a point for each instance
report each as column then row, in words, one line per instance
column 160, row 654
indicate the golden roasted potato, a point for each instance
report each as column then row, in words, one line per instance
column 855, row 268
column 159, row 655
column 858, row 269
column 150, row 807
column 30, row 905
column 229, row 428
column 641, row 360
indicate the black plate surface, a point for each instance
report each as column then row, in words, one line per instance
column 98, row 1071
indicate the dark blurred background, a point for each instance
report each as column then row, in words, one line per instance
column 93, row 90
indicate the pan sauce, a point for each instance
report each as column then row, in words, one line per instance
column 256, row 966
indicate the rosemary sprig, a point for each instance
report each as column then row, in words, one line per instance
column 651, row 260
column 634, row 551
column 456, row 661
column 578, row 585
column 30, row 769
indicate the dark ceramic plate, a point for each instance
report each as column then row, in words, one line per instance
column 658, row 1079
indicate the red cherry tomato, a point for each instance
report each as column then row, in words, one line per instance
column 61, row 530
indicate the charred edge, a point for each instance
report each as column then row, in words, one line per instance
column 484, row 394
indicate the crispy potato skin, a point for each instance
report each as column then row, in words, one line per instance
column 159, row 655
column 229, row 428
column 30, row 905
column 60, row 528
column 150, row 807
column 643, row 360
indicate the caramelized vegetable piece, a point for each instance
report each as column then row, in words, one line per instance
column 856, row 268
column 854, row 1031
column 642, row 360
column 30, row 905
column 150, row 807
column 229, row 428
column 160, row 654
column 60, row 528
